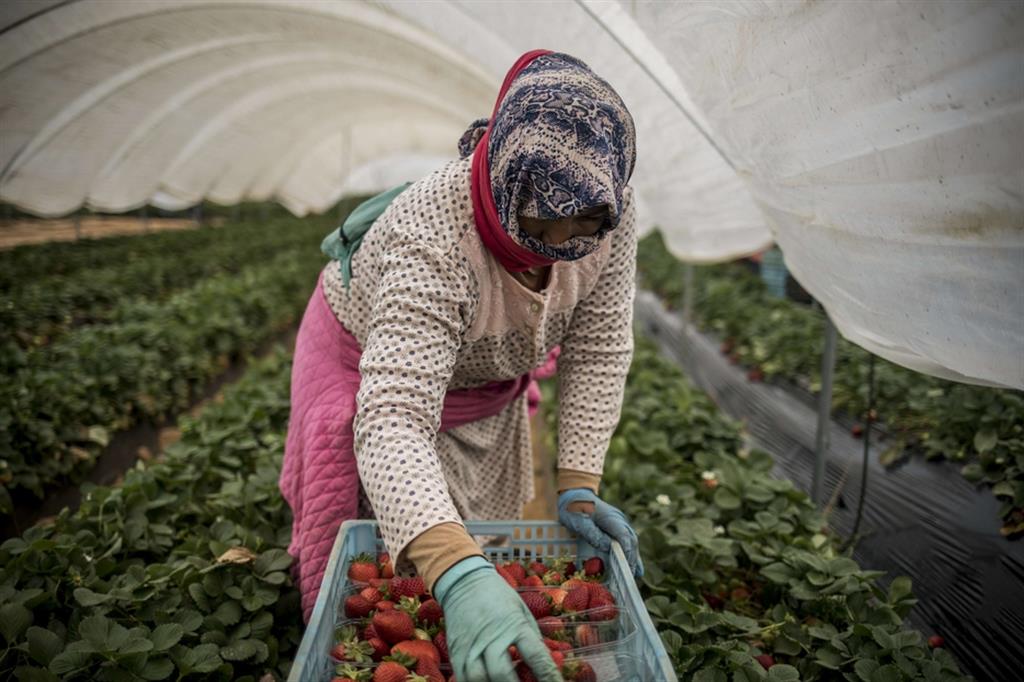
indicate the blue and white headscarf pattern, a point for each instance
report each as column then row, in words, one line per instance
column 563, row 141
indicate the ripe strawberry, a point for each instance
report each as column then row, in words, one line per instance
column 740, row 594
column 551, row 626
column 393, row 626
column 602, row 607
column 386, row 570
column 363, row 569
column 587, row 635
column 441, row 642
column 557, row 595
column 585, row 673
column 357, row 606
column 515, row 569
column 430, row 612
column 385, row 605
column 371, row 594
column 765, row 660
column 537, row 568
column 553, row 578
column 599, row 590
column 857, row 430
column 558, row 657
column 338, row 652
column 755, row 375
column 524, row 674
column 418, row 649
column 351, row 650
column 570, row 568
column 578, row 599
column 390, row 671
column 513, row 651
column 538, row 603
column 507, row 576
column 380, row 583
column 428, row 670
column 574, row 582
column 407, row 587
column 936, row 641
column 380, row 648
column 532, row 581
column 593, row 566
column 713, row 601
column 558, row 644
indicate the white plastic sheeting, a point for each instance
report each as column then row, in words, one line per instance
column 879, row 143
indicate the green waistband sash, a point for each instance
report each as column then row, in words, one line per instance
column 341, row 244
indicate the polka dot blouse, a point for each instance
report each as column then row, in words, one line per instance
column 433, row 310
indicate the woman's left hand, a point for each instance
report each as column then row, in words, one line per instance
column 598, row 522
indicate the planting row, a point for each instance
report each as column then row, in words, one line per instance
column 179, row 573
column 742, row 575
column 40, row 308
column 981, row 427
column 61, row 406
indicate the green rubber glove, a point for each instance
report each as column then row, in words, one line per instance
column 484, row 616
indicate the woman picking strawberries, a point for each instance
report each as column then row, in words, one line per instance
column 412, row 362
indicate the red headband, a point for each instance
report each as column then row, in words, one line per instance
column 513, row 256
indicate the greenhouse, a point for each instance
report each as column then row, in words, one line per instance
column 583, row 340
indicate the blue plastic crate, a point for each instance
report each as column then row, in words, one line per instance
column 639, row 657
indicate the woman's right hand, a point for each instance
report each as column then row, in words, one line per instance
column 483, row 618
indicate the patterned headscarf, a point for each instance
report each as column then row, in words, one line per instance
column 562, row 141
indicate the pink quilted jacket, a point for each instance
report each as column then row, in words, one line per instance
column 319, row 478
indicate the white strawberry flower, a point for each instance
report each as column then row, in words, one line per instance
column 708, row 475
column 663, row 500
column 719, row 530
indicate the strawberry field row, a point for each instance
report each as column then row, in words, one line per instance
column 981, row 427
column 742, row 575
column 38, row 309
column 59, row 408
column 179, row 573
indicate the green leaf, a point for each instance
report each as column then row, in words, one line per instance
column 727, row 500
column 778, row 573
column 780, row 672
column 229, row 612
column 158, row 669
column 864, row 668
column 828, row 657
column 14, row 620
column 77, row 655
column 973, row 472
column 985, row 440
column 86, row 597
column 900, row 589
column 206, row 658
column 709, row 675
column 1003, row 489
column 135, row 645
column 239, row 651
column 95, row 630
column 26, row 674
column 886, row 673
column 167, row 635
column 43, row 645
column 272, row 560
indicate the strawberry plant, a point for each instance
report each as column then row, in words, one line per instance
column 180, row 573
column 42, row 308
column 778, row 339
column 743, row 578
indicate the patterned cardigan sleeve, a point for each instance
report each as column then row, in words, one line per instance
column 596, row 355
column 417, row 320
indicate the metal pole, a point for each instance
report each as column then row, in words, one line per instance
column 688, row 293
column 828, row 370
